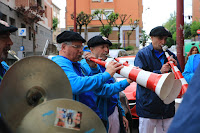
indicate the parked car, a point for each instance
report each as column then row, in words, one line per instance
column 117, row 53
column 130, row 91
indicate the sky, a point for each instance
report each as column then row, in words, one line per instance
column 155, row 12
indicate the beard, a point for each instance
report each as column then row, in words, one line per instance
column 4, row 53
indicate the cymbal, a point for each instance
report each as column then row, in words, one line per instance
column 29, row 82
column 46, row 118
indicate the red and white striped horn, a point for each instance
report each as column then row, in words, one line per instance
column 177, row 73
column 161, row 84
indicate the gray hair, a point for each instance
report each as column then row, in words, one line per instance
column 59, row 45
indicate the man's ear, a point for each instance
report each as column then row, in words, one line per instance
column 91, row 49
column 63, row 46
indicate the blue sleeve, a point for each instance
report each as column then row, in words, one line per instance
column 108, row 90
column 81, row 84
column 188, row 71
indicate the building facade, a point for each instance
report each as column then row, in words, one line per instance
column 129, row 7
column 195, row 10
column 43, row 31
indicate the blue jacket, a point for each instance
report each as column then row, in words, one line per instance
column 111, row 100
column 187, row 116
column 189, row 67
column 84, row 86
column 3, row 68
column 106, row 104
column 148, row 104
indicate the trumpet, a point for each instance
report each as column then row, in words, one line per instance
column 13, row 54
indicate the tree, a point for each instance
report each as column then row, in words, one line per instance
column 194, row 27
column 144, row 38
column 133, row 25
column 105, row 29
column 187, row 31
column 31, row 16
column 171, row 26
column 123, row 18
column 79, row 20
column 88, row 19
column 55, row 23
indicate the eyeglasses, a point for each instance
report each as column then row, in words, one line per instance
column 77, row 46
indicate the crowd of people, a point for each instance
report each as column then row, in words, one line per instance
column 94, row 85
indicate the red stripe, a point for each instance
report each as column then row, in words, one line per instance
column 133, row 74
column 153, row 81
column 183, row 90
column 179, row 75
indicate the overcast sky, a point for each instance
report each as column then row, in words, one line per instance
column 155, row 12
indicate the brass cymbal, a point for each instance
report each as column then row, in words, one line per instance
column 44, row 118
column 29, row 82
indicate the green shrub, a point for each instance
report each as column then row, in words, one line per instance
column 115, row 46
column 129, row 48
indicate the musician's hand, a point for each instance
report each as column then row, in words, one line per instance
column 112, row 67
column 129, row 81
column 87, row 56
column 172, row 59
column 165, row 68
column 125, row 121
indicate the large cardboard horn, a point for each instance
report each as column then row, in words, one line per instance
column 161, row 84
column 174, row 92
column 177, row 73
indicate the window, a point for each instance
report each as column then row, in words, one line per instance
column 45, row 13
column 95, row 17
column 107, row 12
column 108, row 0
column 4, row 17
column 23, row 26
column 39, row 2
column 96, row 0
column 12, row 22
column 36, row 29
column 29, row 33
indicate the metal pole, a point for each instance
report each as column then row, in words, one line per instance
column 179, row 31
column 75, row 16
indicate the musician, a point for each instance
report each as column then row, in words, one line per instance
column 150, row 108
column 110, row 107
column 5, row 44
column 83, row 86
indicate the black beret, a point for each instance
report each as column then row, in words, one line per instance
column 160, row 31
column 4, row 27
column 67, row 36
column 98, row 40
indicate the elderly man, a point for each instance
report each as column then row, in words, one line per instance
column 150, row 108
column 83, row 85
column 5, row 44
column 110, row 107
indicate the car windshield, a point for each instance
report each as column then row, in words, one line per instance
column 117, row 53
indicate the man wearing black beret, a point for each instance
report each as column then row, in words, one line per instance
column 5, row 45
column 150, row 108
column 109, row 106
column 83, row 85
